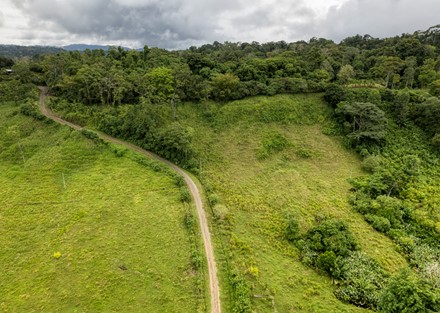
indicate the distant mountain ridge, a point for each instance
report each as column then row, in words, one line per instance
column 82, row 47
column 12, row 51
column 430, row 36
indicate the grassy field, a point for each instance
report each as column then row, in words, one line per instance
column 260, row 186
column 85, row 229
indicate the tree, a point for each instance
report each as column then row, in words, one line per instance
column 428, row 74
column 364, row 122
column 386, row 67
column 334, row 94
column 400, row 107
column 175, row 143
column 87, row 84
column 225, row 86
column 409, row 72
column 160, row 84
column 331, row 235
column 407, row 294
column 6, row 62
column 346, row 73
column 427, row 115
column 434, row 88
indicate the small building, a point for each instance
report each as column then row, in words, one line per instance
column 8, row 71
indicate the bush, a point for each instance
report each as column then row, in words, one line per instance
column 196, row 259
column 327, row 262
column 292, row 229
column 185, row 196
column 372, row 163
column 188, row 221
column 179, row 180
column 213, row 199
column 119, row 151
column 390, row 208
column 405, row 293
column 434, row 88
column 92, row 136
column 304, row 153
column 362, row 281
column 435, row 141
column 272, row 143
column 334, row 94
column 32, row 111
column 221, row 212
column 331, row 235
column 379, row 223
column 240, row 293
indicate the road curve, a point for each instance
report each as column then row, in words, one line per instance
column 206, row 235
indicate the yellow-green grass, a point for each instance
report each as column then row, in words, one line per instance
column 308, row 179
column 82, row 230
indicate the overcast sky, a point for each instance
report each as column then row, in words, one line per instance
column 182, row 23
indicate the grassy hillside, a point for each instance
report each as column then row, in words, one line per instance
column 262, row 160
column 265, row 161
column 85, row 229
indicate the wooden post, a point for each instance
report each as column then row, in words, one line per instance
column 64, row 181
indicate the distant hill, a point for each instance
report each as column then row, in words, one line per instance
column 82, row 47
column 12, row 51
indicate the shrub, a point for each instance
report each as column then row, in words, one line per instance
column 372, row 163
column 92, row 136
column 185, row 196
column 334, row 94
column 362, row 281
column 213, row 199
column 188, row 221
column 119, row 151
column 327, row 261
column 272, row 143
column 221, row 212
column 30, row 110
column 240, row 293
column 379, row 223
column 331, row 235
column 304, row 153
column 406, row 293
column 179, row 180
column 196, row 259
column 427, row 260
column 435, row 141
column 292, row 229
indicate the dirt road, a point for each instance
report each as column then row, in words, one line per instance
column 212, row 267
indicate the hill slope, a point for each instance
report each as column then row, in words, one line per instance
column 259, row 185
column 89, row 227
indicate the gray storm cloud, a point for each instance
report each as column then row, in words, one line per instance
column 380, row 18
column 154, row 22
column 179, row 24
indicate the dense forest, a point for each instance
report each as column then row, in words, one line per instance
column 16, row 51
column 385, row 105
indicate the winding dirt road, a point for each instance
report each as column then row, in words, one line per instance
column 212, row 267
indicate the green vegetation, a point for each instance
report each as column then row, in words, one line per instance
column 319, row 160
column 395, row 200
column 87, row 226
column 283, row 196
